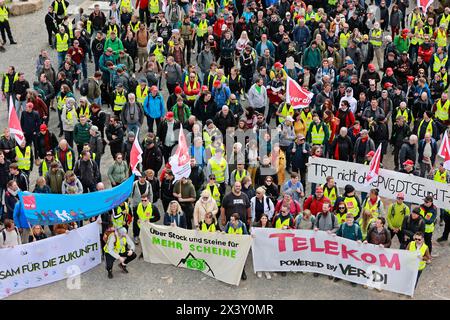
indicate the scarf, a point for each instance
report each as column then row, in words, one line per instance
column 364, row 139
column 13, row 193
column 336, row 152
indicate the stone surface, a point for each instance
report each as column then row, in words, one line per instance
column 18, row 8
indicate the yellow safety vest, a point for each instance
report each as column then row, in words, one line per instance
column 89, row 26
column 429, row 127
column 202, row 28
column 417, row 38
column 414, row 20
column 440, row 177
column 343, row 39
column 364, row 232
column 309, row 15
column 442, row 110
column 207, row 139
column 3, row 14
column 6, row 81
column 146, row 214
column 375, row 38
column 119, row 219
column 69, row 159
column 445, row 20
column 429, row 228
column 441, row 38
column 341, row 218
column 285, row 111
column 23, row 161
column 154, row 6
column 114, row 28
column 422, row 250
column 119, row 247
column 210, row 4
column 332, row 2
column 215, row 193
column 444, row 78
column 280, row 225
column 86, row 112
column 317, row 137
column 70, row 26
column 62, row 43
column 307, row 119
column 126, row 4
column 213, row 149
column 56, row 5
column 159, row 53
column 191, row 97
column 231, row 230
column 141, row 95
column 218, row 169
column 44, row 168
column 211, row 228
column 135, row 28
column 403, row 113
column 438, row 63
column 330, row 194
column 372, row 208
column 69, row 116
column 352, row 205
column 61, row 102
column 119, row 101
column 238, row 177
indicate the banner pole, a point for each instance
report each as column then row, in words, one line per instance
column 31, row 230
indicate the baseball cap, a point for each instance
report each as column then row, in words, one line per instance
column 43, row 127
column 319, row 189
column 278, row 65
column 371, row 66
column 408, row 163
column 169, row 115
column 217, row 83
column 289, row 118
column 428, row 199
column 159, row 39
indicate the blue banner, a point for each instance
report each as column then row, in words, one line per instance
column 50, row 209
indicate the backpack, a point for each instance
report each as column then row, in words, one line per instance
column 84, row 88
column 333, row 220
column 4, row 233
column 132, row 84
column 355, row 229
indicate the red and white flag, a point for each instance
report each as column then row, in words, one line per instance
column 424, row 5
column 374, row 167
column 135, row 155
column 296, row 95
column 14, row 123
column 444, row 150
column 181, row 160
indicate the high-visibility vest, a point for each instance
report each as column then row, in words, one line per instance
column 69, row 116
column 202, row 28
column 146, row 214
column 211, row 228
column 44, row 168
column 417, row 38
column 330, row 194
column 429, row 127
column 126, row 4
column 442, row 110
column 23, row 160
column 62, row 43
column 6, row 81
column 120, row 245
column 373, row 208
column 403, row 113
column 441, row 38
column 445, row 20
column 232, row 230
column 343, row 39
column 238, row 176
column 332, row 2
column 307, row 118
column 135, row 27
column 280, row 225
column 213, row 149
column 119, row 218
column 210, row 4
column 422, row 250
column 86, row 112
column 119, row 101
column 375, row 38
column 89, row 26
column 440, row 177
column 429, row 227
column 215, row 193
column 444, row 78
column 159, row 53
column 352, row 205
column 114, row 28
column 414, row 20
column 192, row 97
column 309, row 15
column 438, row 63
column 69, row 159
column 61, row 102
column 317, row 137
column 70, row 26
column 56, row 5
column 3, row 14
column 154, row 6
column 207, row 138
column 341, row 218
column 285, row 111
column 141, row 95
column 218, row 169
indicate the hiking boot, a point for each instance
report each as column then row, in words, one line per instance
column 441, row 239
column 110, row 275
column 136, row 240
column 283, row 274
column 244, row 275
column 354, row 284
column 259, row 274
column 13, row 42
column 123, row 267
column 268, row 276
column 336, row 279
column 315, row 275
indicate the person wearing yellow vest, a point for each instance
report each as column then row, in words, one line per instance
column 330, row 190
column 134, row 24
column 202, row 30
column 344, row 36
column 440, row 36
column 62, row 45
column 427, row 125
column 403, row 111
column 441, row 109
column 366, row 221
column 376, row 39
column 238, row 174
column 65, row 155
column 208, row 224
column 438, row 60
column 284, row 219
column 374, row 204
column 45, row 165
column 60, row 9
column 213, row 189
column 119, row 246
column 417, row 38
column 191, row 88
column 341, row 212
column 69, row 119
column 318, row 133
column 119, row 99
column 396, row 213
column 8, row 80
column 154, row 7
column 351, row 201
column 24, row 158
column 428, row 211
column 422, row 250
column 4, row 23
column 141, row 91
column 441, row 175
column 285, row 109
column 306, row 116
column 159, row 50
column 218, row 166
column 120, row 214
column 237, row 227
column 125, row 4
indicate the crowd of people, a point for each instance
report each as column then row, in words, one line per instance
column 379, row 75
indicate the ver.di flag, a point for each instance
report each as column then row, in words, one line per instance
column 135, row 155
column 424, row 5
column 296, row 95
column 444, row 150
column 14, row 123
column 180, row 161
column 374, row 167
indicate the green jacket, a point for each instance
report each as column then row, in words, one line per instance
column 401, row 44
column 116, row 45
column 187, row 113
column 395, row 215
column 312, row 58
column 117, row 173
column 81, row 133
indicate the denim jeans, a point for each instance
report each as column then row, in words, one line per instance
column 61, row 58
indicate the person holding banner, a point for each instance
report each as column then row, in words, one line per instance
column 208, row 224
column 411, row 224
column 184, row 191
column 236, row 226
column 378, row 234
column 396, row 213
column 366, row 221
column 423, row 252
column 428, row 211
column 351, row 201
column 119, row 246
column 174, row 216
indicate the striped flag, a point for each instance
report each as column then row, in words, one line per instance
column 136, row 155
column 14, row 123
column 444, row 150
column 374, row 167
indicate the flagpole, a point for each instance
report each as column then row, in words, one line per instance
column 31, row 230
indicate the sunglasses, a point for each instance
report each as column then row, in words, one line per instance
column 144, row 200
column 417, row 239
column 341, row 208
column 212, row 178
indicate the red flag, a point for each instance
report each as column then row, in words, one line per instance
column 14, row 123
column 135, row 155
column 374, row 167
column 444, row 150
column 180, row 161
column 424, row 5
column 296, row 95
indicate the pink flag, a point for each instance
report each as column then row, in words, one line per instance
column 424, row 5
column 180, row 161
column 374, row 167
column 14, row 123
column 296, row 95
column 135, row 155
column 444, row 150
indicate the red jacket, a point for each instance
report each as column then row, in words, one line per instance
column 349, row 119
column 315, row 205
column 40, row 107
column 194, row 86
column 294, row 209
column 143, row 4
column 426, row 54
column 217, row 28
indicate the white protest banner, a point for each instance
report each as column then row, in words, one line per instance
column 218, row 255
column 389, row 182
column 319, row 252
column 39, row 263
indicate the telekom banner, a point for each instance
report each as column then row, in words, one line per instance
column 319, row 252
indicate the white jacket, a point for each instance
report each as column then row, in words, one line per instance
column 269, row 208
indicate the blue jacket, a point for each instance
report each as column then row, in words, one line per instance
column 199, row 155
column 302, row 35
column 154, row 106
column 270, row 46
column 179, row 219
column 221, row 95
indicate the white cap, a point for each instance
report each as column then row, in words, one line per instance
column 159, row 39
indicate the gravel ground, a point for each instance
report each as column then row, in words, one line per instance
column 152, row 281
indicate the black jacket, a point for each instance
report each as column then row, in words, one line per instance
column 87, row 172
column 41, row 148
column 407, row 152
column 345, row 151
column 118, row 132
column 399, row 134
column 204, row 110
column 223, row 123
column 152, row 159
column 162, row 131
column 4, row 173
column 8, row 144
